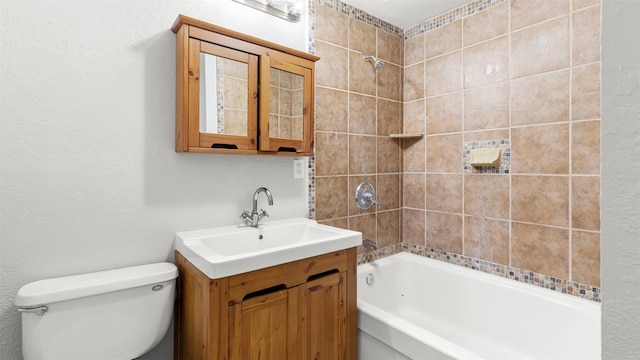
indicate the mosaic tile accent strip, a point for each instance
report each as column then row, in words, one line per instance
column 461, row 12
column 355, row 13
column 505, row 156
column 312, row 27
column 311, row 178
column 548, row 282
column 220, row 95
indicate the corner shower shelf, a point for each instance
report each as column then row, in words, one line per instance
column 407, row 136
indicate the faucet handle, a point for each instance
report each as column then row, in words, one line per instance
column 263, row 213
column 245, row 215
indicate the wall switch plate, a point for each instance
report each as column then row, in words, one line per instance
column 298, row 169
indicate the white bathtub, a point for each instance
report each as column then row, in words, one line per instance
column 420, row 308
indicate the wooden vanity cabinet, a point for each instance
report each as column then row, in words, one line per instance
column 304, row 309
column 239, row 94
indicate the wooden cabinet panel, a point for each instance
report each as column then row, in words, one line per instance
column 258, row 328
column 304, row 309
column 325, row 312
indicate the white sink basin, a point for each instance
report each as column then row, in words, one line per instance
column 231, row 250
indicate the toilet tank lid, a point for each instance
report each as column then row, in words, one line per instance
column 48, row 291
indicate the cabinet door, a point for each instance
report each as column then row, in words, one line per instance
column 286, row 110
column 258, row 327
column 223, row 97
column 322, row 322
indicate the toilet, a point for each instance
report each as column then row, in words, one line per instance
column 117, row 314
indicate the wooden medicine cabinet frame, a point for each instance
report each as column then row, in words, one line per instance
column 195, row 37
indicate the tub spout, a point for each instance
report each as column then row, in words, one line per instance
column 369, row 245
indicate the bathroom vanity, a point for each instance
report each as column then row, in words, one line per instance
column 300, row 309
column 238, row 94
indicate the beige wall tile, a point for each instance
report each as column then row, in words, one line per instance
column 414, row 117
column 330, row 26
column 414, row 50
column 585, row 257
column 366, row 224
column 444, row 74
column 389, row 47
column 527, row 12
column 541, row 48
column 362, row 37
column 486, row 195
column 414, row 82
column 354, row 182
column 487, row 107
column 581, row 4
column 414, row 155
column 413, row 190
column 330, row 154
column 235, row 93
column 331, row 197
column 486, row 63
column 585, row 92
column 540, row 149
column 444, row 153
column 540, row 249
column 389, row 117
column 585, row 202
column 388, row 191
column 388, row 228
column 331, row 69
column 444, row 113
column 486, row 135
column 540, row 199
column 286, row 102
column 585, row 36
column 540, row 99
column 342, row 223
column 487, row 24
column 390, row 82
column 388, row 155
column 486, row 239
column 332, row 112
column 362, row 155
column 444, row 39
column 413, row 227
column 235, row 122
column 362, row 76
column 444, row 231
column 362, row 114
column 444, row 193
column 585, row 147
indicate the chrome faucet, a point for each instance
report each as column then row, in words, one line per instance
column 253, row 218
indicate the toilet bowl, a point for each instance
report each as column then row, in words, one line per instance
column 117, row 314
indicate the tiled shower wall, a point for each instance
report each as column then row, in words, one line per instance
column 527, row 72
column 357, row 108
column 523, row 74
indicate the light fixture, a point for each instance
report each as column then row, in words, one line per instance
column 280, row 8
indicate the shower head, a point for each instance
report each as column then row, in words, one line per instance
column 377, row 63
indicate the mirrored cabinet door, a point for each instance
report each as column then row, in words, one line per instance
column 288, row 114
column 223, row 109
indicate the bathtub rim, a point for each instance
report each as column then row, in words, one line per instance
column 370, row 316
column 531, row 289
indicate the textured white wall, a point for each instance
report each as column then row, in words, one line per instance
column 620, row 179
column 89, row 176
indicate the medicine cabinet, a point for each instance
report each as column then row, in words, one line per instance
column 239, row 94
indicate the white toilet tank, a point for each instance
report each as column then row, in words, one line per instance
column 116, row 314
